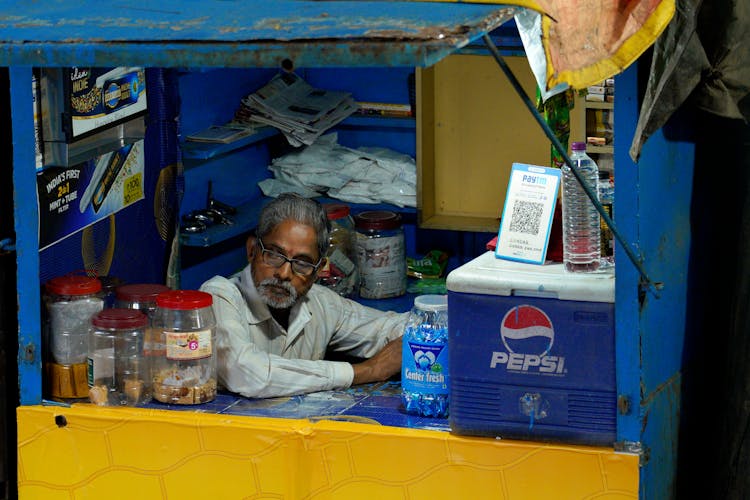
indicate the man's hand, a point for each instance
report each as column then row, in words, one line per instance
column 380, row 367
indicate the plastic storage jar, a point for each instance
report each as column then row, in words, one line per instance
column 381, row 255
column 142, row 296
column 425, row 381
column 340, row 273
column 118, row 373
column 186, row 373
column 71, row 301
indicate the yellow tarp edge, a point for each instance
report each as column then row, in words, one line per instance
column 630, row 50
column 528, row 4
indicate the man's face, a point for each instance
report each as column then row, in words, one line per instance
column 280, row 287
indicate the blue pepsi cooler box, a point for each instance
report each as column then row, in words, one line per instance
column 531, row 352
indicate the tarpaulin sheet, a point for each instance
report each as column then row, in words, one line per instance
column 703, row 53
column 587, row 41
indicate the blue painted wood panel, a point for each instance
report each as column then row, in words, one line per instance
column 652, row 209
column 257, row 33
column 27, row 246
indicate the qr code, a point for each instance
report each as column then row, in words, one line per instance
column 526, row 217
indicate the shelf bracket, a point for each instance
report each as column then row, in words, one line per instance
column 637, row 262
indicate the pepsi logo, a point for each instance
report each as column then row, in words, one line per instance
column 527, row 329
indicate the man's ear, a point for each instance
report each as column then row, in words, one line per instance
column 251, row 247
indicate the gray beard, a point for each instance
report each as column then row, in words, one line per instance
column 270, row 299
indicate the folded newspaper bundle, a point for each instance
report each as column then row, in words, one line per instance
column 299, row 110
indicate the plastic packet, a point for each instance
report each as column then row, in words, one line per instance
column 427, row 286
column 432, row 265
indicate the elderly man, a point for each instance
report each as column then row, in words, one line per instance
column 275, row 325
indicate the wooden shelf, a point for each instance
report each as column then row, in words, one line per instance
column 408, row 122
column 246, row 219
column 599, row 105
column 578, row 119
column 195, row 150
column 464, row 159
column 243, row 221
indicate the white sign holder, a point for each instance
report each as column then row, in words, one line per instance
column 527, row 215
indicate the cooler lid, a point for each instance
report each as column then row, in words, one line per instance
column 489, row 275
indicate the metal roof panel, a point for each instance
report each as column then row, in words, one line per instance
column 241, row 33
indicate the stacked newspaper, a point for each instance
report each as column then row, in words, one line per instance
column 300, row 111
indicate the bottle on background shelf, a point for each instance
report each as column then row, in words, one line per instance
column 606, row 190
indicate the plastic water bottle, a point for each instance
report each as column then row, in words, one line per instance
column 581, row 229
column 424, row 363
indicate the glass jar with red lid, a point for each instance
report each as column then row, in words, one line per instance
column 186, row 373
column 71, row 300
column 142, row 296
column 339, row 273
column 118, row 371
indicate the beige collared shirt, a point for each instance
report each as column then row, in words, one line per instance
column 257, row 358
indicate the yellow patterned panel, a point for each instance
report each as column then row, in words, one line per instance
column 196, row 477
column 118, row 484
column 181, row 440
column 138, row 453
column 461, row 481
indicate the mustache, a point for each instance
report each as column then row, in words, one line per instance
column 285, row 285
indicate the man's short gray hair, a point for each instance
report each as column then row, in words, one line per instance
column 291, row 206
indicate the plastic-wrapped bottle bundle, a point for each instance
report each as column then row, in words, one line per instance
column 424, row 369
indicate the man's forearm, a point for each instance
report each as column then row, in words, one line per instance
column 380, row 367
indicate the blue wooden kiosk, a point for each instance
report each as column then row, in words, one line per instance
column 201, row 55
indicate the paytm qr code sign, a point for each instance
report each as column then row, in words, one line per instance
column 527, row 214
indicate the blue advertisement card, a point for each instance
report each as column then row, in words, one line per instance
column 527, row 214
column 72, row 198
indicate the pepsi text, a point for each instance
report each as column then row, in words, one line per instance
column 528, row 362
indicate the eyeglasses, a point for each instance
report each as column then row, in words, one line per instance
column 275, row 259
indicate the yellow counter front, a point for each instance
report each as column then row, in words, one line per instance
column 87, row 452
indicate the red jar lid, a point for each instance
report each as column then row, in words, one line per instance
column 336, row 210
column 119, row 318
column 140, row 292
column 74, row 284
column 377, row 219
column 184, row 299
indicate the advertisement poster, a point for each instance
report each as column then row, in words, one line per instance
column 527, row 214
column 72, row 198
column 99, row 96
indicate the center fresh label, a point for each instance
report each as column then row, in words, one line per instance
column 424, row 368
